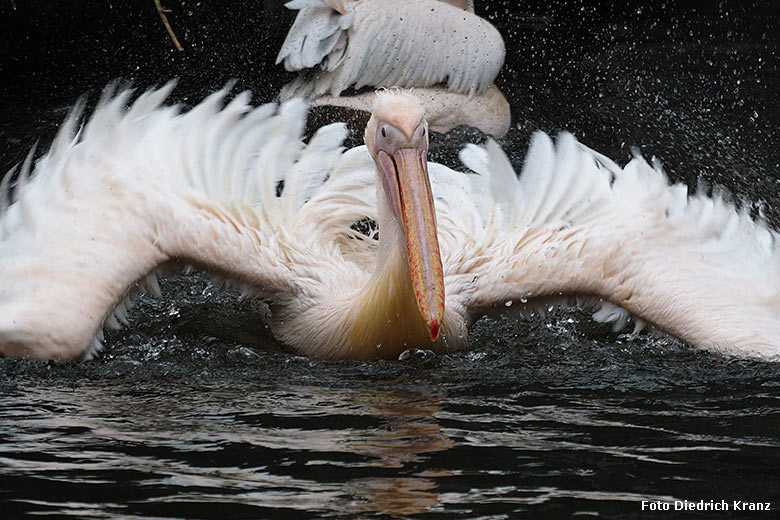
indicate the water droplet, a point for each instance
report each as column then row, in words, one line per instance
column 508, row 303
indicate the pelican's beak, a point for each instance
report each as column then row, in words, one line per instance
column 403, row 161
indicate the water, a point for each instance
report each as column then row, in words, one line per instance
column 183, row 417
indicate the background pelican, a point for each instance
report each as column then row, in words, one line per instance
column 235, row 191
column 441, row 48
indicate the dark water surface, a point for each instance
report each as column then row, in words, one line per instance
column 182, row 417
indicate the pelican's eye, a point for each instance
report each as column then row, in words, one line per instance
column 389, row 138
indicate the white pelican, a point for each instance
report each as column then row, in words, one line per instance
column 440, row 47
column 235, row 191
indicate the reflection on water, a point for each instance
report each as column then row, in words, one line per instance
column 101, row 448
column 248, row 455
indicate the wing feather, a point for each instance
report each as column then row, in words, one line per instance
column 408, row 43
column 144, row 185
column 695, row 266
column 318, row 36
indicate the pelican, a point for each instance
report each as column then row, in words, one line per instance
column 449, row 55
column 234, row 190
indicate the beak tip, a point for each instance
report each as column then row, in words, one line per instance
column 434, row 329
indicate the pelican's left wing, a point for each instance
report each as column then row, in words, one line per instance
column 574, row 224
column 224, row 188
column 404, row 43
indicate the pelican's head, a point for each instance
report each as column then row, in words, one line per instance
column 397, row 138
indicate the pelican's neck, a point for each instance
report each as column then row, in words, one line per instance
column 387, row 320
column 391, row 257
column 391, row 284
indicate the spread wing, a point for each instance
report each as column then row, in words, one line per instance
column 231, row 189
column 407, row 43
column 574, row 224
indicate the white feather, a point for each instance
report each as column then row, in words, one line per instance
column 149, row 184
column 695, row 267
column 144, row 186
column 406, row 43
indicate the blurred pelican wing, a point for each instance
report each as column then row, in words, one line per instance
column 407, row 43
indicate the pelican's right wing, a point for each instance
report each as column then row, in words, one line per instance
column 404, row 43
column 222, row 187
column 574, row 224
